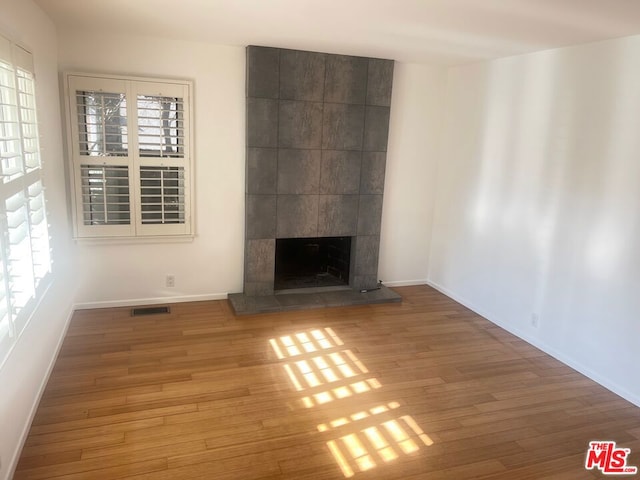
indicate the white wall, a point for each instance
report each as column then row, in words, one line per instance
column 538, row 203
column 24, row 374
column 211, row 265
column 414, row 136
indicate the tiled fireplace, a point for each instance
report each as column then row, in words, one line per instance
column 317, row 128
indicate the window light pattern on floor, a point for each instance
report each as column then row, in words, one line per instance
column 319, row 365
column 315, row 340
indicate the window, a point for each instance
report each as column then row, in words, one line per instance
column 25, row 258
column 130, row 144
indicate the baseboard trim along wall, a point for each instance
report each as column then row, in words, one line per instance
column 405, row 283
column 570, row 362
column 133, row 302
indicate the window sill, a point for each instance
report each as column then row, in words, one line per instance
column 134, row 240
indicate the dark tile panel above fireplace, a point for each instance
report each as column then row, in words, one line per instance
column 260, row 216
column 262, row 170
column 379, row 82
column 376, row 131
column 342, row 126
column 317, row 128
column 337, row 215
column 299, row 171
column 370, row 215
column 344, row 79
column 262, row 122
column 264, row 65
column 302, row 75
column 340, row 172
column 372, row 172
column 300, row 124
column 297, row 216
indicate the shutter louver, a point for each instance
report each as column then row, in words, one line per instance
column 10, row 148
column 20, row 268
column 39, row 233
column 160, row 126
column 105, row 195
column 162, row 195
column 28, row 120
column 102, row 123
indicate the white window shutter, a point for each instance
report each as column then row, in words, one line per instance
column 99, row 119
column 131, row 154
column 25, row 257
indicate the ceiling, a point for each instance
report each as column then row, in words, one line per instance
column 423, row 31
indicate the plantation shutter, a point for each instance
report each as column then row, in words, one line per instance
column 101, row 156
column 162, row 172
column 25, row 257
column 131, row 156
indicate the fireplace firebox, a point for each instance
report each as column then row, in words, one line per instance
column 312, row 262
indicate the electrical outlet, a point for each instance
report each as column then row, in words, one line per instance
column 171, row 281
column 535, row 320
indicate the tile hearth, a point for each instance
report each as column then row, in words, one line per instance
column 249, row 304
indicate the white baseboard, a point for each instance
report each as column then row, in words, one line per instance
column 405, row 283
column 569, row 361
column 134, row 302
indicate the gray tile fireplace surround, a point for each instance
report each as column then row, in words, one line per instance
column 317, row 129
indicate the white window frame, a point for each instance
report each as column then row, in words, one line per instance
column 25, row 252
column 131, row 87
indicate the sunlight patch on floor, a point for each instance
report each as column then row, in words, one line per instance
column 365, row 440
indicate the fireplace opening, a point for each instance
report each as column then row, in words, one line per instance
column 312, row 262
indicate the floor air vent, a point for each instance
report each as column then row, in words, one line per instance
column 136, row 312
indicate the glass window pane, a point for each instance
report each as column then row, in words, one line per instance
column 105, row 195
column 160, row 126
column 162, row 195
column 102, row 123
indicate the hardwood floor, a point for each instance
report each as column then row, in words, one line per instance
column 423, row 389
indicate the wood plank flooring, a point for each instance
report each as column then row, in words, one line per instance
column 422, row 389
